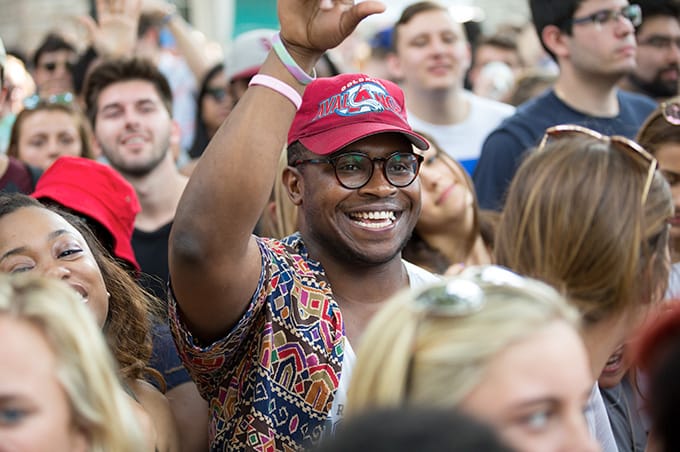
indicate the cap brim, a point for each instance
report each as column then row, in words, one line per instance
column 333, row 140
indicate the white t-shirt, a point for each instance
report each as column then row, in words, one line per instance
column 673, row 291
column 463, row 141
column 598, row 422
column 417, row 277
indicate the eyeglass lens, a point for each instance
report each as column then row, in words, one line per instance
column 355, row 170
column 632, row 13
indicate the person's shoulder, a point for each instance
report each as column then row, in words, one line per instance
column 158, row 408
column 635, row 103
column 490, row 105
column 637, row 98
column 418, row 276
column 528, row 121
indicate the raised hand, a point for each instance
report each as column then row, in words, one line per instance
column 310, row 27
column 115, row 32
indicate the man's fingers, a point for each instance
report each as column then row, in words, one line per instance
column 89, row 24
column 350, row 19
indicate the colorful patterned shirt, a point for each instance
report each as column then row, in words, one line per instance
column 271, row 381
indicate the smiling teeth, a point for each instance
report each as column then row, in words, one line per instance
column 381, row 215
column 374, row 220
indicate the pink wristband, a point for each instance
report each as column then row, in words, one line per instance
column 278, row 86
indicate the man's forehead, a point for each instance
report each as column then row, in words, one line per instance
column 129, row 92
column 422, row 23
column 665, row 26
column 381, row 143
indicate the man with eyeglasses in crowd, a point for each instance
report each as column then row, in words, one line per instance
column 593, row 42
column 53, row 63
column 267, row 327
column 657, row 73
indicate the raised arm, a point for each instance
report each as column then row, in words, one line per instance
column 214, row 261
column 191, row 45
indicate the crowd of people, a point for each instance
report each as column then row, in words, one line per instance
column 458, row 240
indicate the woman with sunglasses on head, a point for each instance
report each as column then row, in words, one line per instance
column 47, row 129
column 587, row 214
column 660, row 135
column 451, row 230
column 489, row 342
column 38, row 240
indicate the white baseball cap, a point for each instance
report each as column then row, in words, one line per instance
column 248, row 52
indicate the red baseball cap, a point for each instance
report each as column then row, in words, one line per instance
column 340, row 110
column 97, row 191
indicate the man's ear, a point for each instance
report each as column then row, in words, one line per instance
column 556, row 40
column 294, row 184
column 393, row 64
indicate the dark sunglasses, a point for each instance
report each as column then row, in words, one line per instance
column 630, row 147
column 218, row 94
column 52, row 66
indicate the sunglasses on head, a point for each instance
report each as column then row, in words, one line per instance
column 671, row 112
column 460, row 296
column 463, row 295
column 32, row 102
column 628, row 146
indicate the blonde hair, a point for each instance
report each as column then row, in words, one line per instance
column 85, row 367
column 282, row 221
column 413, row 356
column 573, row 218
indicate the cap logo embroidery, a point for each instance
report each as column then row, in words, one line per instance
column 366, row 97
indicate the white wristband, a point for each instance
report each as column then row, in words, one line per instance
column 280, row 87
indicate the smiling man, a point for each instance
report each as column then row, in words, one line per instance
column 593, row 42
column 431, row 55
column 129, row 104
column 657, row 73
column 268, row 327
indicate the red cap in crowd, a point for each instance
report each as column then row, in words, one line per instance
column 340, row 110
column 97, row 191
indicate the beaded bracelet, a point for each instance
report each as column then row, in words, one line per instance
column 290, row 64
column 278, row 86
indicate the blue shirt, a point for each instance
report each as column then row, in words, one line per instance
column 504, row 148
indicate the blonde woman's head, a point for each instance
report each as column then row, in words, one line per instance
column 485, row 334
column 55, row 325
